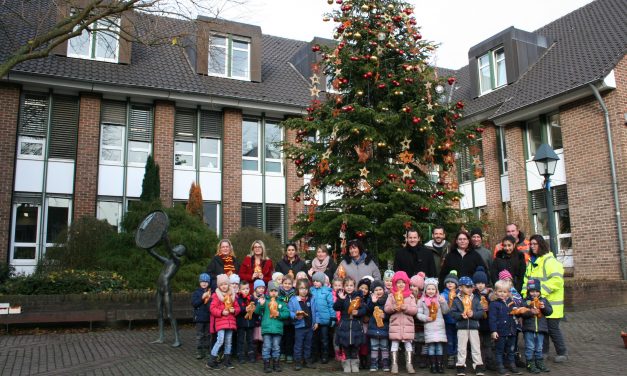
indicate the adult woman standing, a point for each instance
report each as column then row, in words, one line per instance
column 357, row 263
column 224, row 262
column 290, row 264
column 510, row 259
column 256, row 265
column 462, row 257
column 544, row 266
column 322, row 263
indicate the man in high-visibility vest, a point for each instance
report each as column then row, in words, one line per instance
column 522, row 244
column 544, row 267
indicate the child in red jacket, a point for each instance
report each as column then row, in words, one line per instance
column 224, row 310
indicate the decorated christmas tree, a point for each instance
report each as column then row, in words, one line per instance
column 383, row 139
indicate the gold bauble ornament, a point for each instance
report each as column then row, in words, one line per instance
column 365, row 8
column 357, row 35
column 374, row 59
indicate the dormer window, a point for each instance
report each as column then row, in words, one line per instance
column 100, row 41
column 229, row 57
column 492, row 73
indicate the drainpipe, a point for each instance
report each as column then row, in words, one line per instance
column 619, row 221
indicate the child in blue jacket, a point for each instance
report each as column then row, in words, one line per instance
column 200, row 302
column 535, row 326
column 503, row 327
column 449, row 293
column 323, row 297
column 305, row 316
column 378, row 328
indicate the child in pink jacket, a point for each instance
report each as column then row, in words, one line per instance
column 224, row 310
column 401, row 305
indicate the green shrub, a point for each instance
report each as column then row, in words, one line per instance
column 6, row 272
column 244, row 238
column 65, row 282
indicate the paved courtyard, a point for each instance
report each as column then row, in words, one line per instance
column 593, row 337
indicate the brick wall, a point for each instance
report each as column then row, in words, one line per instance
column 491, row 171
column 590, row 195
column 86, row 176
column 232, row 172
column 163, row 148
column 9, row 109
column 293, row 184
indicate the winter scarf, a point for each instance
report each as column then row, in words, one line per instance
column 229, row 265
column 320, row 266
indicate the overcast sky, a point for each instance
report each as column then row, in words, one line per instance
column 456, row 24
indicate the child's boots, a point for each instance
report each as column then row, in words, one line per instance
column 394, row 361
column 541, row 366
column 410, row 367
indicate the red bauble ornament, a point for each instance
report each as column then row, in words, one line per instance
column 360, row 234
column 381, row 86
column 396, row 83
column 354, row 58
column 471, row 136
column 298, row 162
column 459, row 105
column 416, row 120
column 297, row 198
column 409, row 80
column 480, row 130
column 451, row 80
column 348, row 108
column 315, row 48
column 456, row 116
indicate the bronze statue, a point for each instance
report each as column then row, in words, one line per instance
column 150, row 232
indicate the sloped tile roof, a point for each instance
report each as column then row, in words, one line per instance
column 584, row 46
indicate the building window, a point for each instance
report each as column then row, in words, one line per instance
column 273, row 137
column 229, row 57
column 502, row 150
column 560, row 213
column 58, row 219
column 545, row 129
column 470, row 162
column 31, row 147
column 111, row 212
column 210, row 215
column 112, row 144
column 252, row 215
column 139, row 134
column 25, row 236
column 250, row 145
column 492, row 72
column 184, row 154
column 209, row 154
column 97, row 42
column 33, row 126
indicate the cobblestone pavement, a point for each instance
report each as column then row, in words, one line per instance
column 593, row 338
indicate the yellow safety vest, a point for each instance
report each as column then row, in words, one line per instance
column 550, row 272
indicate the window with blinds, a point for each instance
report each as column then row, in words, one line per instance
column 140, row 128
column 251, row 215
column 275, row 218
column 33, row 126
column 63, row 127
column 185, row 125
column 113, row 132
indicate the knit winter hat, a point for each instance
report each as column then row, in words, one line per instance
column 319, row 277
column 432, row 282
column 505, row 274
column 418, row 280
column 388, row 275
column 204, row 277
column 234, row 278
column 259, row 283
column 452, row 277
column 476, row 231
column 222, row 278
column 377, row 283
column 401, row 275
column 273, row 286
column 480, row 276
column 466, row 281
column 533, row 284
column 276, row 275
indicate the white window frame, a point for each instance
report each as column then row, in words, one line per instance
column 93, row 44
column 549, row 129
column 15, row 244
column 483, row 90
column 259, row 146
column 191, row 154
column 108, row 147
column 49, row 242
column 492, row 66
column 273, row 160
column 101, row 217
column 228, row 49
column 496, row 68
column 33, row 140
column 210, row 155
column 147, row 150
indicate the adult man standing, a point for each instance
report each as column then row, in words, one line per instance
column 476, row 241
column 439, row 247
column 522, row 244
column 414, row 258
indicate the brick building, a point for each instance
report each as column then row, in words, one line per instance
column 528, row 88
column 79, row 125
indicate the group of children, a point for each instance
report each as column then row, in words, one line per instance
column 372, row 318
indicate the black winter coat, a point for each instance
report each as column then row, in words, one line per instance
column 284, row 266
column 531, row 323
column 349, row 331
column 242, row 322
column 514, row 263
column 412, row 260
column 201, row 310
column 458, row 308
column 500, row 319
column 373, row 330
column 216, row 267
column 465, row 266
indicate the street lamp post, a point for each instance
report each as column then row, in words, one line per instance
column 546, row 161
